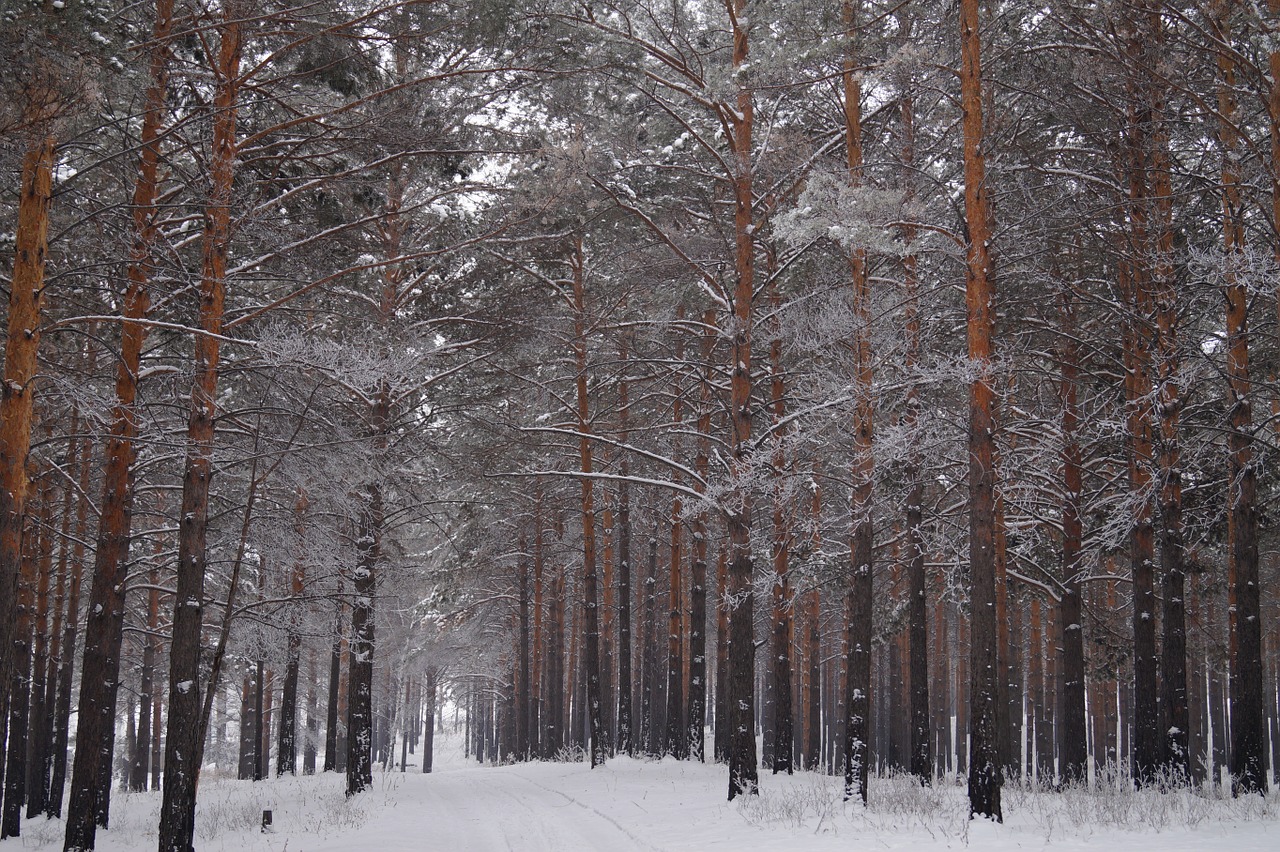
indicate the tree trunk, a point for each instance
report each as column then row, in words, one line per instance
column 429, row 735
column 608, row 614
column 287, row 751
column 1072, row 736
column 360, row 659
column 313, row 723
column 675, row 738
column 779, row 673
column 537, row 702
column 858, row 604
column 331, row 704
column 1175, row 722
column 984, row 751
column 598, row 746
column 103, row 630
column 522, row 690
column 743, row 771
column 1248, row 720
column 921, row 760
column 66, row 660
column 15, row 775
column 697, row 720
column 47, row 722
column 1135, row 283
column 259, row 722
column 626, row 737
column 138, row 772
column 26, row 298
column 721, row 741
column 37, row 789
column 182, row 747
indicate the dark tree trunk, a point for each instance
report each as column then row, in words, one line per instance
column 721, row 743
column 697, row 715
column 648, row 650
column 37, row 788
column 313, row 723
column 598, row 745
column 287, row 750
column 259, row 723
column 360, row 659
column 858, row 601
column 1248, row 719
column 70, row 631
column 813, row 745
column 984, row 713
column 1175, row 721
column 287, row 747
column 15, row 775
column 141, row 766
column 626, row 736
column 522, row 696
column 1072, row 735
column 103, row 630
column 331, row 704
column 777, row 742
column 429, row 710
column 917, row 607
column 537, row 687
column 46, row 721
column 743, row 769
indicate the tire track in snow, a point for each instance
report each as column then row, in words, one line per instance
column 640, row 843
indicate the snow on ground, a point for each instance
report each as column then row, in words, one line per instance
column 643, row 805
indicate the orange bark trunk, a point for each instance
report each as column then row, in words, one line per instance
column 985, row 777
column 183, row 746
column 26, row 298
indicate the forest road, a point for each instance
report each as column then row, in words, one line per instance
column 480, row 810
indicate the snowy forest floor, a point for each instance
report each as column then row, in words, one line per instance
column 644, row 805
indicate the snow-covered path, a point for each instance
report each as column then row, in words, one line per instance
column 478, row 810
column 630, row 805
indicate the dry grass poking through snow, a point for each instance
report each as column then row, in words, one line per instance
column 229, row 812
column 814, row 803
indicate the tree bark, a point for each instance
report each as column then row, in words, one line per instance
column 626, row 737
column 697, row 720
column 38, row 740
column 360, row 741
column 1135, row 283
column 26, row 299
column 182, row 747
column 984, row 752
column 780, row 640
column 648, row 650
column 313, row 722
column 675, row 738
column 598, row 747
column 859, row 602
column 1175, row 720
column 523, row 696
column 20, row 686
column 743, row 770
column 105, row 623
column 331, row 704
column 1248, row 719
column 141, row 766
column 70, row 630
column 1072, row 735
column 429, row 735
column 917, row 606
